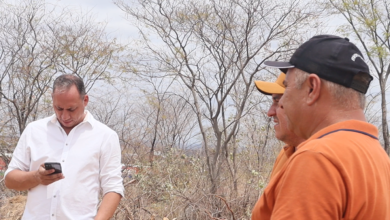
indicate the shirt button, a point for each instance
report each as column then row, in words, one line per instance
column 66, row 144
column 54, row 196
column 63, row 160
column 52, row 214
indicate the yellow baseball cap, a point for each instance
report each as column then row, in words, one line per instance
column 270, row 88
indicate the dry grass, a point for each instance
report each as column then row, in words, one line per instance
column 13, row 208
column 176, row 187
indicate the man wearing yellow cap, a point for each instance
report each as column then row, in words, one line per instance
column 276, row 90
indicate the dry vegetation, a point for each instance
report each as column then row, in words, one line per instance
column 176, row 187
column 11, row 208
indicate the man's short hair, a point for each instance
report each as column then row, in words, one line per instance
column 66, row 81
column 342, row 95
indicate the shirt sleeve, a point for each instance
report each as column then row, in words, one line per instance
column 110, row 166
column 21, row 157
column 311, row 188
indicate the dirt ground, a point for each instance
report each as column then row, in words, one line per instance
column 13, row 208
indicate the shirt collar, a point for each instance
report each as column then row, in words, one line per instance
column 361, row 126
column 289, row 150
column 87, row 119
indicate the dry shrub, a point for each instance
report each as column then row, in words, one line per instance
column 13, row 208
column 177, row 187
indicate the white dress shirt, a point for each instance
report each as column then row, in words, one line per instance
column 90, row 157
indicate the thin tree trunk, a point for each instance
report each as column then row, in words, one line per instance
column 385, row 127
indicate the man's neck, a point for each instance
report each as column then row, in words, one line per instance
column 68, row 130
column 335, row 116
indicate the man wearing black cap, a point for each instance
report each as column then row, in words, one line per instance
column 341, row 171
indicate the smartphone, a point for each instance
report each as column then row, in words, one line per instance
column 53, row 165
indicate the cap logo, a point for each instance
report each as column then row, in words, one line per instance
column 353, row 58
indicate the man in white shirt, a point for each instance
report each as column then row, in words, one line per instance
column 89, row 154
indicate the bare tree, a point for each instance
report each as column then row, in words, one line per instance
column 215, row 48
column 177, row 127
column 166, row 119
column 87, row 51
column 369, row 22
column 29, row 55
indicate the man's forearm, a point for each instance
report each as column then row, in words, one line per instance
column 21, row 180
column 108, row 206
column 24, row 180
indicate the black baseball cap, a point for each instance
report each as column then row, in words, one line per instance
column 332, row 58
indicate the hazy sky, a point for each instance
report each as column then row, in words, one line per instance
column 103, row 10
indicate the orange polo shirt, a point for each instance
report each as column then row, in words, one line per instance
column 341, row 172
column 282, row 157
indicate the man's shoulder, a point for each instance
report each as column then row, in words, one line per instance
column 341, row 145
column 343, row 134
column 99, row 126
column 39, row 122
column 332, row 142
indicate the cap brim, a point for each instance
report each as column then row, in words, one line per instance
column 269, row 88
column 283, row 66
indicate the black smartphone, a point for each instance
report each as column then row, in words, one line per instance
column 53, row 165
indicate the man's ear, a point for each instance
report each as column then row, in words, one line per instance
column 86, row 99
column 314, row 84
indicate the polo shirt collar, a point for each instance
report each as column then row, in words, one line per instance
column 289, row 150
column 357, row 125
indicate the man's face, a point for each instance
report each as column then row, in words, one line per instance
column 291, row 102
column 279, row 118
column 280, row 130
column 69, row 107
